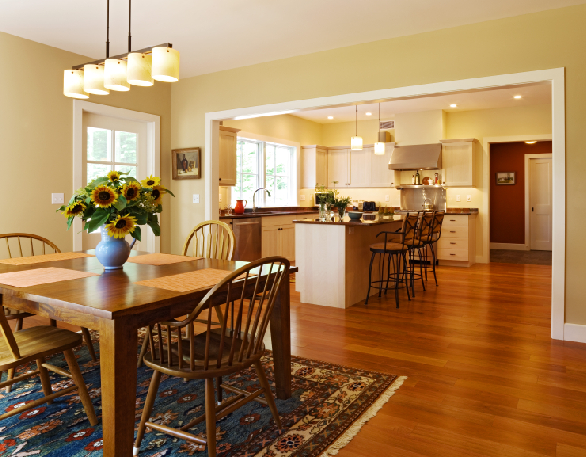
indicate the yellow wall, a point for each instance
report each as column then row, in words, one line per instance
column 339, row 133
column 548, row 39
column 36, row 137
column 285, row 127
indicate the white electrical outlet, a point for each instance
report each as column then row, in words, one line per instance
column 195, row 198
column 387, row 198
column 457, row 198
column 468, row 198
column 302, row 198
column 58, row 199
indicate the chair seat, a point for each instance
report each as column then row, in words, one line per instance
column 394, row 247
column 37, row 342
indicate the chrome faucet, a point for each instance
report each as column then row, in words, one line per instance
column 254, row 197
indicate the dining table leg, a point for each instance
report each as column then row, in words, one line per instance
column 118, row 348
column 281, row 341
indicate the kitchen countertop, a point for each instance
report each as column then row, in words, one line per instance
column 347, row 222
column 266, row 214
column 451, row 211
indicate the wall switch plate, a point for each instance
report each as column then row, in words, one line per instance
column 457, row 198
column 387, row 198
column 468, row 198
column 302, row 198
column 195, row 198
column 58, row 199
column 220, row 198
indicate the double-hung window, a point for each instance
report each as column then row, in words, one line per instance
column 109, row 150
column 269, row 165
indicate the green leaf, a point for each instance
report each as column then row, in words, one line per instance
column 137, row 233
column 69, row 222
column 96, row 182
column 62, row 208
column 121, row 203
column 129, row 179
column 100, row 217
column 141, row 219
column 88, row 200
column 155, row 227
column 169, row 192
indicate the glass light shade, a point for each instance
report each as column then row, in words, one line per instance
column 73, row 84
column 115, row 75
column 379, row 148
column 140, row 69
column 356, row 143
column 93, row 81
column 165, row 64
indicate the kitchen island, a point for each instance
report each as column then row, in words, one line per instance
column 334, row 258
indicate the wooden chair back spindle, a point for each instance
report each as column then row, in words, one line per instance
column 8, row 237
column 211, row 239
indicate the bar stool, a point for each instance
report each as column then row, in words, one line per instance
column 436, row 234
column 422, row 240
column 395, row 252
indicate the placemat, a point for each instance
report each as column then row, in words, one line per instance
column 188, row 282
column 56, row 257
column 36, row 276
column 161, row 259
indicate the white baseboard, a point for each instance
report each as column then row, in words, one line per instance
column 575, row 332
column 511, row 246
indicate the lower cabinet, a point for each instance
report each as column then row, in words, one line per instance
column 457, row 245
column 278, row 236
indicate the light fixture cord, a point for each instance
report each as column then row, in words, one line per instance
column 356, row 120
column 129, row 15
column 107, row 29
column 379, row 122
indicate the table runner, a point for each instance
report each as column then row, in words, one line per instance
column 56, row 257
column 161, row 259
column 36, row 276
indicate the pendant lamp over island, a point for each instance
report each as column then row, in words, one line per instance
column 356, row 141
column 379, row 146
column 118, row 73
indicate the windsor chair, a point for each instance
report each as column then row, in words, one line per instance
column 237, row 345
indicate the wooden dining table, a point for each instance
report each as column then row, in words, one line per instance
column 114, row 305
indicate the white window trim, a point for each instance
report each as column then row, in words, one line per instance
column 153, row 147
column 295, row 163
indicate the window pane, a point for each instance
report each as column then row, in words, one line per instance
column 249, row 157
column 96, row 170
column 270, row 201
column 282, row 191
column 98, row 144
column 270, row 159
column 126, row 147
column 283, row 160
column 248, row 187
column 127, row 168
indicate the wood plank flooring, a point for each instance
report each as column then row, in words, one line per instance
column 485, row 379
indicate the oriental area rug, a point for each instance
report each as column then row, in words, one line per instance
column 329, row 405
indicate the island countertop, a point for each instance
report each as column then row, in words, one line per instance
column 348, row 222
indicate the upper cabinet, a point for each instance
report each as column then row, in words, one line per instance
column 315, row 166
column 338, row 167
column 459, row 161
column 359, row 166
column 228, row 144
column 380, row 175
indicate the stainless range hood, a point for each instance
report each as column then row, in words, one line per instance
column 419, row 156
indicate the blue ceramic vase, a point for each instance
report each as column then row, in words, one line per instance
column 112, row 252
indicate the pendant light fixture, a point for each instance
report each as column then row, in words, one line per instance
column 379, row 146
column 119, row 72
column 356, row 141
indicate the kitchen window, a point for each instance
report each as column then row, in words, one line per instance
column 265, row 164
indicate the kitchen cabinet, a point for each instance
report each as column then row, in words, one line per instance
column 359, row 167
column 315, row 166
column 228, row 144
column 458, row 161
column 457, row 245
column 278, row 236
column 380, row 175
column 338, row 166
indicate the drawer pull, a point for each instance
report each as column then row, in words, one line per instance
column 452, row 231
column 452, row 220
column 451, row 242
column 452, row 254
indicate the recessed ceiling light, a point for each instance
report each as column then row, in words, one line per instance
column 530, row 142
column 330, row 117
column 453, row 105
column 518, row 97
column 368, row 114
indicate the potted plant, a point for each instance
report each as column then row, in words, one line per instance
column 118, row 205
column 341, row 203
column 324, row 198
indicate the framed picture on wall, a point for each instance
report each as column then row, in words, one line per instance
column 186, row 163
column 506, row 177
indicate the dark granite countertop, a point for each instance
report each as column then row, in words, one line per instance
column 268, row 214
column 350, row 223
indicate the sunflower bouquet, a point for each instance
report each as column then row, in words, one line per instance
column 119, row 202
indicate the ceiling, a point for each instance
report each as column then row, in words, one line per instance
column 466, row 101
column 215, row 35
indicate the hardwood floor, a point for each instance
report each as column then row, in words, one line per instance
column 485, row 379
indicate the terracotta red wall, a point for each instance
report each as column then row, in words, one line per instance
column 507, row 203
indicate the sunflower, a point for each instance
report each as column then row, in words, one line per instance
column 157, row 193
column 121, row 226
column 114, row 176
column 75, row 209
column 151, row 181
column 104, row 197
column 131, row 191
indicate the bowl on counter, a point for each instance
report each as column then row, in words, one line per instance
column 355, row 215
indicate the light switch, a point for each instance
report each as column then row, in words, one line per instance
column 387, row 198
column 58, row 199
column 457, row 198
column 302, row 198
column 468, row 198
column 195, row 198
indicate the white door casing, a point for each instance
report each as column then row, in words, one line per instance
column 540, row 204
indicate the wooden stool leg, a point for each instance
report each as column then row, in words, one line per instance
column 88, row 341
column 262, row 377
column 81, row 388
column 45, row 380
column 19, row 324
column 148, row 409
column 369, row 278
column 210, row 406
column 9, row 376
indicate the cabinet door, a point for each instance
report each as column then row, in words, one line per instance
column 227, row 158
column 380, row 175
column 360, row 162
column 321, row 167
column 338, row 167
column 270, row 241
column 458, row 163
column 287, row 242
